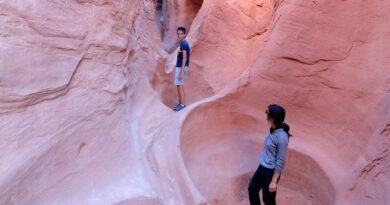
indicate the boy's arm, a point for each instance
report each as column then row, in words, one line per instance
column 183, row 65
column 185, row 48
column 184, row 58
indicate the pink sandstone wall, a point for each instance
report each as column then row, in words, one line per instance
column 86, row 95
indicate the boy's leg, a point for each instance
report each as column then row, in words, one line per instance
column 184, row 79
column 178, row 93
column 180, row 77
column 180, row 105
column 177, row 82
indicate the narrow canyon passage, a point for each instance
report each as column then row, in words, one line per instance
column 86, row 97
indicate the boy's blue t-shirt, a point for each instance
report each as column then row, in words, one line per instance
column 183, row 46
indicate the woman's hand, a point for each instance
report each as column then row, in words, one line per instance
column 272, row 186
column 274, row 181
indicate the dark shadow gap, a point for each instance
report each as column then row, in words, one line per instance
column 169, row 16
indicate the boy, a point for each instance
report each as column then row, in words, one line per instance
column 182, row 66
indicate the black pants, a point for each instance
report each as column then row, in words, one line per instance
column 261, row 180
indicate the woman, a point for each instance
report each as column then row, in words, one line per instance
column 272, row 158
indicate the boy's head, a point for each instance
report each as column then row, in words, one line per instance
column 181, row 33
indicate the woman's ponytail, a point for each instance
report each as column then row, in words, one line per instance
column 286, row 128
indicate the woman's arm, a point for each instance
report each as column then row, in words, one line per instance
column 280, row 161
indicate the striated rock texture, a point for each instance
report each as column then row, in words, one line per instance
column 86, row 95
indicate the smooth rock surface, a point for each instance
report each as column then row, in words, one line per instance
column 86, row 94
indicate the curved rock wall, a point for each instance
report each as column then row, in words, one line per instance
column 86, row 95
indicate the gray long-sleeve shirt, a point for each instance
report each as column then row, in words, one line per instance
column 275, row 150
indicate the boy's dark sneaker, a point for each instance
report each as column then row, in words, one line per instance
column 179, row 107
column 176, row 107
